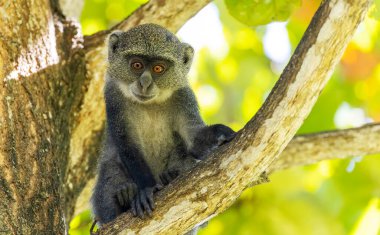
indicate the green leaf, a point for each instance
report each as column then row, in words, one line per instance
column 260, row 12
column 375, row 10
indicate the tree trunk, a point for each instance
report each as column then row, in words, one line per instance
column 43, row 71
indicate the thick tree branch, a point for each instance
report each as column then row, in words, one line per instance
column 216, row 183
column 313, row 148
column 305, row 150
column 171, row 14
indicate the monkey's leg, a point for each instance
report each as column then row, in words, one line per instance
column 178, row 162
column 114, row 190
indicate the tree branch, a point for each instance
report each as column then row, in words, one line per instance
column 171, row 14
column 313, row 148
column 215, row 184
column 72, row 8
column 305, row 150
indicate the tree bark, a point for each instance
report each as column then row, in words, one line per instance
column 42, row 70
column 303, row 150
column 215, row 184
column 313, row 148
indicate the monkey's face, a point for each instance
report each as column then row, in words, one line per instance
column 149, row 79
column 149, row 62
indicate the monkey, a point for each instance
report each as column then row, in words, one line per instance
column 154, row 131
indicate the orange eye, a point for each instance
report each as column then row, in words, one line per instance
column 137, row 65
column 158, row 69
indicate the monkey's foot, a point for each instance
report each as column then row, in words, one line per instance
column 168, row 176
column 143, row 201
column 126, row 194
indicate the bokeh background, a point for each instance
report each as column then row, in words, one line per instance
column 236, row 66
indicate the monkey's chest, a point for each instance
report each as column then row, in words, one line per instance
column 156, row 140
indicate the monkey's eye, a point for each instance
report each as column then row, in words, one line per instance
column 137, row 65
column 159, row 68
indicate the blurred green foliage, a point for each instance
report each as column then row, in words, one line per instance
column 332, row 197
column 254, row 13
column 101, row 14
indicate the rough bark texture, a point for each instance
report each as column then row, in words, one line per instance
column 313, row 148
column 42, row 70
column 303, row 150
column 214, row 185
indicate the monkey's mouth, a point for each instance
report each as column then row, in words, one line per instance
column 142, row 97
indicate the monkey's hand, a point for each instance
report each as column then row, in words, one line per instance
column 126, row 194
column 209, row 138
column 143, row 201
column 168, row 176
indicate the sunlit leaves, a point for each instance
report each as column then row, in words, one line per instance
column 260, row 12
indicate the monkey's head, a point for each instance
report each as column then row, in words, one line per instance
column 149, row 62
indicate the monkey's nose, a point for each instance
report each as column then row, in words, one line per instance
column 145, row 82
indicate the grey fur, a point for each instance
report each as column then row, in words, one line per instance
column 157, row 131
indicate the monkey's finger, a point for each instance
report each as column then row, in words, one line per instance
column 230, row 137
column 133, row 207
column 174, row 174
column 166, row 177
column 223, row 139
column 144, row 202
column 139, row 210
column 131, row 194
column 124, row 192
column 120, row 198
column 158, row 187
column 163, row 179
column 169, row 176
column 134, row 187
column 149, row 196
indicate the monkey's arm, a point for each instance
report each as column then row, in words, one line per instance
column 209, row 138
column 200, row 139
column 188, row 120
column 130, row 155
column 178, row 161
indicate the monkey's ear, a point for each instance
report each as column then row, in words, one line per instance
column 114, row 41
column 188, row 54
